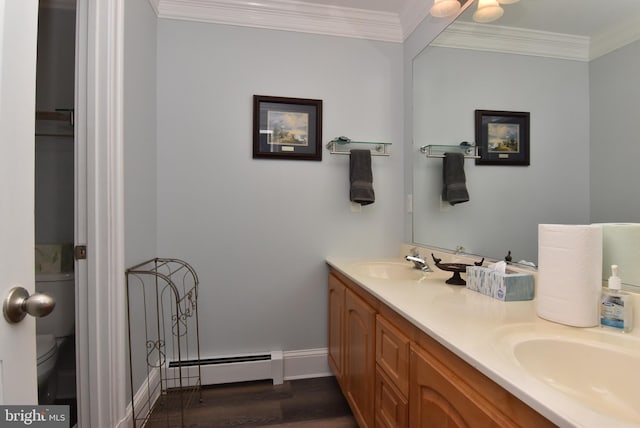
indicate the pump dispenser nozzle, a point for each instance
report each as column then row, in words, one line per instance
column 615, row 283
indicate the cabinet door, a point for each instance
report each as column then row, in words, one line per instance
column 439, row 398
column 336, row 326
column 392, row 409
column 359, row 358
column 392, row 353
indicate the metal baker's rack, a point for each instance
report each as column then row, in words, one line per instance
column 164, row 343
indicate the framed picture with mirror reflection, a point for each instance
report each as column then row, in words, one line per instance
column 502, row 137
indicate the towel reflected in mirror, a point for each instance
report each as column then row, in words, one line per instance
column 454, row 187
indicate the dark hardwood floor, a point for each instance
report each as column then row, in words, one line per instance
column 305, row 403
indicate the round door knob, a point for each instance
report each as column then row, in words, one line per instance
column 18, row 304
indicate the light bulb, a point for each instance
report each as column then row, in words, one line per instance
column 488, row 10
column 444, row 8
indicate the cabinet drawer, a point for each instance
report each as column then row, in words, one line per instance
column 392, row 408
column 392, row 353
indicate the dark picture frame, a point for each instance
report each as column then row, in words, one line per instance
column 502, row 137
column 287, row 128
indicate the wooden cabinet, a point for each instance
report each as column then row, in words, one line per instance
column 444, row 390
column 392, row 353
column 352, row 348
column 336, row 327
column 396, row 376
column 439, row 398
column 359, row 357
column 391, row 406
column 392, row 375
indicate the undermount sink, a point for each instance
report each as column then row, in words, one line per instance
column 390, row 270
column 599, row 369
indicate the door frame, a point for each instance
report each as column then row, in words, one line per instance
column 99, row 224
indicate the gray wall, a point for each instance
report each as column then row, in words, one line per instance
column 139, row 156
column 506, row 202
column 258, row 231
column 615, row 141
column 140, row 131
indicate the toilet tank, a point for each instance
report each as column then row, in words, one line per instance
column 61, row 321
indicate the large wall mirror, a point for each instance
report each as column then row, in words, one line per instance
column 574, row 67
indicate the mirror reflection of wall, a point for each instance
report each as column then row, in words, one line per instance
column 583, row 147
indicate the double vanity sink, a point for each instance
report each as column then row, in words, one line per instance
column 596, row 368
column 586, row 377
column 390, row 270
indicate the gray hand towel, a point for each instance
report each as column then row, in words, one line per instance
column 454, row 188
column 361, row 177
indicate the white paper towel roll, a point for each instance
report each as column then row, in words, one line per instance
column 569, row 273
column 621, row 246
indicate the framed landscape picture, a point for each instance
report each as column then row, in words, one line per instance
column 502, row 137
column 287, row 128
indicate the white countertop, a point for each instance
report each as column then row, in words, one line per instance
column 472, row 326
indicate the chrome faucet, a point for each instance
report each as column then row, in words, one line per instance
column 418, row 262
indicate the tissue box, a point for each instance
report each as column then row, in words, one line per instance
column 501, row 286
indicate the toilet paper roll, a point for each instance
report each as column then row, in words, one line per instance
column 621, row 246
column 569, row 273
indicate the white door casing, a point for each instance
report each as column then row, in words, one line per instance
column 18, row 46
column 100, row 315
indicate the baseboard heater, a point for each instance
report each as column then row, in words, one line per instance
column 238, row 368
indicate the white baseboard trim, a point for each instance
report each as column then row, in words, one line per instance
column 144, row 398
column 272, row 368
column 306, row 363
column 287, row 365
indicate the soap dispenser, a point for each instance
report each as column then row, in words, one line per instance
column 616, row 306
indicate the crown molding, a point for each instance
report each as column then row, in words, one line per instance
column 413, row 12
column 155, row 5
column 301, row 16
column 288, row 15
column 467, row 35
column 614, row 38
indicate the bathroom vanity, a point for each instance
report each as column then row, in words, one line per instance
column 383, row 363
column 409, row 350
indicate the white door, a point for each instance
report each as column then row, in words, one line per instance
column 18, row 38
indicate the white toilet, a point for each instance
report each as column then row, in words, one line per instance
column 54, row 329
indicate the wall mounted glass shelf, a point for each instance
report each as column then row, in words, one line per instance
column 437, row 151
column 343, row 146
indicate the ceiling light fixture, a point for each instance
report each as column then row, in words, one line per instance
column 488, row 10
column 508, row 1
column 444, row 8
